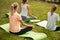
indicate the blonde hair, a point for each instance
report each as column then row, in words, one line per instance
column 13, row 7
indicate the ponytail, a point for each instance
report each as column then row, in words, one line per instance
column 12, row 10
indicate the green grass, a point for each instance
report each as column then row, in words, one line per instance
column 39, row 9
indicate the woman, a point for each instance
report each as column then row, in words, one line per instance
column 52, row 18
column 25, row 11
column 16, row 21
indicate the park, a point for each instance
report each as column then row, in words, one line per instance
column 38, row 8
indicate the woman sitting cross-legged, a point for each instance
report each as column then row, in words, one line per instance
column 25, row 11
column 52, row 18
column 16, row 21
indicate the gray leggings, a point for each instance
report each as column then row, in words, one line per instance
column 25, row 18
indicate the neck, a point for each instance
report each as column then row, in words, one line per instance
column 24, row 3
column 51, row 13
column 13, row 13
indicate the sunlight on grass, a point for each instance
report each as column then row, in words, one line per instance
column 39, row 9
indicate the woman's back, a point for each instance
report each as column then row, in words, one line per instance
column 24, row 9
column 14, row 23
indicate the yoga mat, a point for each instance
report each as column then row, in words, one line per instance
column 6, row 15
column 30, row 34
column 42, row 23
column 34, row 20
column 5, row 27
column 34, row 35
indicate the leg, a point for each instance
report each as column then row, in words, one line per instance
column 57, row 29
column 23, row 31
column 27, row 19
column 24, row 18
column 31, row 18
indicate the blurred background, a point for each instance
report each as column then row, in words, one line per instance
column 39, row 8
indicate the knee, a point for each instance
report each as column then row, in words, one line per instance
column 30, row 28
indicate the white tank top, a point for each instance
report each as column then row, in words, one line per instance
column 24, row 11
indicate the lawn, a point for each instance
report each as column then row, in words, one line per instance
column 39, row 9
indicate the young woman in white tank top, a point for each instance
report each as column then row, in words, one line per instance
column 25, row 11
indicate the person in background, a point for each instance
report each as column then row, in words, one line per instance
column 16, row 21
column 52, row 18
column 25, row 11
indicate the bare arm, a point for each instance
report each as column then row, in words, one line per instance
column 58, row 17
column 25, row 24
column 28, row 7
column 21, row 21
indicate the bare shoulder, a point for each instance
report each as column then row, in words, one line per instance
column 49, row 13
column 18, row 15
column 56, row 14
column 28, row 5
